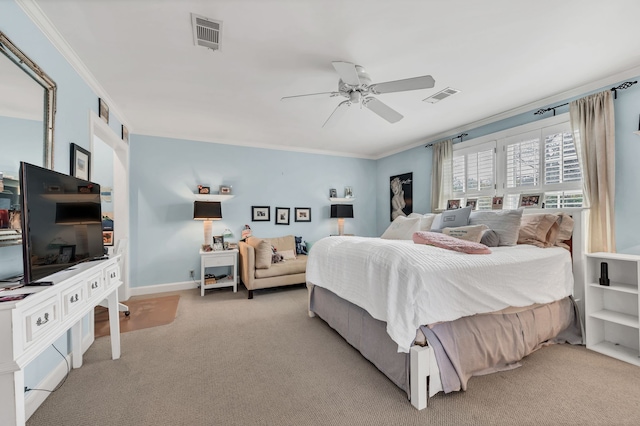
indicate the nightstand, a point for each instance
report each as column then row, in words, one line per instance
column 222, row 264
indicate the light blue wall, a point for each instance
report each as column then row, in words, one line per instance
column 164, row 176
column 21, row 140
column 627, row 205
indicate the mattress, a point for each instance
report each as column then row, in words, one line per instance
column 407, row 285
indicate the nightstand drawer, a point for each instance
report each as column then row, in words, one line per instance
column 73, row 299
column 41, row 319
column 219, row 260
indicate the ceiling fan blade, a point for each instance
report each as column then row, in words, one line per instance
column 347, row 72
column 322, row 94
column 415, row 83
column 337, row 113
column 382, row 109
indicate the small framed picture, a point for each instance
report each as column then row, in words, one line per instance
column 125, row 134
column 226, row 190
column 282, row 215
column 333, row 193
column 453, row 204
column 348, row 192
column 531, row 200
column 473, row 202
column 80, row 162
column 260, row 214
column 496, row 203
column 204, row 189
column 218, row 242
column 107, row 238
column 103, row 110
column 303, row 214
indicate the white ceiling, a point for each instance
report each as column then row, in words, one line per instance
column 502, row 54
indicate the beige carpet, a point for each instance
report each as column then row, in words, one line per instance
column 145, row 312
column 226, row 360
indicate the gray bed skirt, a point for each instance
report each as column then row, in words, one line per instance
column 504, row 338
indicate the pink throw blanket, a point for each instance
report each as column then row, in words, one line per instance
column 451, row 243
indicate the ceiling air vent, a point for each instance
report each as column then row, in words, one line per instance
column 206, row 32
column 443, row 94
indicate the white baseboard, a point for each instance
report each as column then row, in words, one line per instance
column 163, row 288
column 35, row 398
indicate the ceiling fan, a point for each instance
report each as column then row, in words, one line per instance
column 355, row 85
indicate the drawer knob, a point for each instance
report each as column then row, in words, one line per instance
column 94, row 285
column 74, row 298
column 41, row 322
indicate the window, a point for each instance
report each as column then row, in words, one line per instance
column 535, row 158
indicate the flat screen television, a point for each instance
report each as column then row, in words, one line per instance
column 61, row 222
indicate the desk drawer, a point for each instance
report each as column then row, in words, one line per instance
column 112, row 275
column 95, row 284
column 74, row 298
column 219, row 260
column 42, row 318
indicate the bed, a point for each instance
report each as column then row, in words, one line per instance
column 431, row 318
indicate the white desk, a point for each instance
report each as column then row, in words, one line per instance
column 31, row 325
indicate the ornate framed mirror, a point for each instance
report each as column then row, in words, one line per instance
column 27, row 93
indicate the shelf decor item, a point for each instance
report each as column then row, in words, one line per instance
column 604, row 273
column 224, row 189
column 204, row 189
column 333, row 193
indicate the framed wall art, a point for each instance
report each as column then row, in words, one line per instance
column 103, row 110
column 260, row 214
column 401, row 194
column 303, row 214
column 80, row 162
column 125, row 134
column 282, row 215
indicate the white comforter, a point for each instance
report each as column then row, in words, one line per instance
column 408, row 285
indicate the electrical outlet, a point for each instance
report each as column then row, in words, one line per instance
column 191, row 273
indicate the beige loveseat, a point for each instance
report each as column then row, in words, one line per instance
column 256, row 269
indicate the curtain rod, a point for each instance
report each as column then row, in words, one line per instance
column 460, row 136
column 623, row 86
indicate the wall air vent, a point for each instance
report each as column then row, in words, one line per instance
column 206, row 32
column 443, row 94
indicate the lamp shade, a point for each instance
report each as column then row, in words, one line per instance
column 207, row 210
column 341, row 210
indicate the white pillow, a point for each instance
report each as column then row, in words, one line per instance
column 471, row 233
column 402, row 228
column 427, row 221
column 505, row 223
column 287, row 254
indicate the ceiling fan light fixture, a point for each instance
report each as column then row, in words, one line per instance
column 443, row 94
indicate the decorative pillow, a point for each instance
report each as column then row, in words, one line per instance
column 449, row 243
column 490, row 238
column 471, row 233
column 288, row 254
column 263, row 252
column 455, row 218
column 426, row 221
column 538, row 229
column 505, row 223
column 402, row 228
column 301, row 248
column 565, row 230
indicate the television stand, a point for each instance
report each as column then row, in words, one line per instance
column 30, row 325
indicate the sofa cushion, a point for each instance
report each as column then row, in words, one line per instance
column 283, row 243
column 288, row 267
column 263, row 252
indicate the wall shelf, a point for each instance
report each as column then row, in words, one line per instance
column 341, row 200
column 213, row 197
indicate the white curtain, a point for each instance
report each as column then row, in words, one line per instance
column 441, row 174
column 593, row 125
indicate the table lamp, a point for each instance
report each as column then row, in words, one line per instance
column 340, row 211
column 207, row 211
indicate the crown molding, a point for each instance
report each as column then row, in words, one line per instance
column 35, row 13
